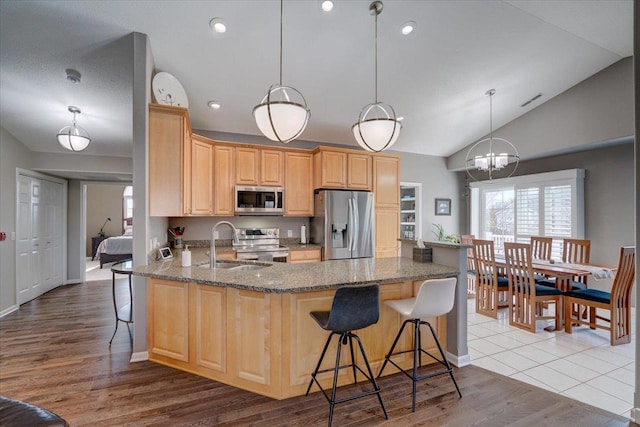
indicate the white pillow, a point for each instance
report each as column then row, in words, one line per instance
column 128, row 231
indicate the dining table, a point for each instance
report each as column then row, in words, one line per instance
column 564, row 273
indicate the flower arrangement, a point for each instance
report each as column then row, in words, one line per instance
column 444, row 237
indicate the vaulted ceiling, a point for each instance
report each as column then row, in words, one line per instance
column 436, row 77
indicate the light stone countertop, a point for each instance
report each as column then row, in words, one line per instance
column 289, row 278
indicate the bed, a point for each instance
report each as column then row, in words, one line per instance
column 116, row 248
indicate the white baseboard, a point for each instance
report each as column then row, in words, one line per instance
column 459, row 361
column 139, row 356
column 9, row 310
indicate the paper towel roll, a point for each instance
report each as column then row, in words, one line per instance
column 303, row 234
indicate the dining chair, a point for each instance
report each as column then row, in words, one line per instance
column 467, row 239
column 541, row 247
column 618, row 302
column 574, row 251
column 525, row 296
column 489, row 286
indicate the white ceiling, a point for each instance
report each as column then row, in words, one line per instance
column 436, row 77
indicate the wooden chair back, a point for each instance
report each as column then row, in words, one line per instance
column 541, row 247
column 467, row 239
column 577, row 251
column 524, row 309
column 486, row 277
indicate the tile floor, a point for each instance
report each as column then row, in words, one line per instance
column 581, row 365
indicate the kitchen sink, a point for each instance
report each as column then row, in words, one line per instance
column 234, row 266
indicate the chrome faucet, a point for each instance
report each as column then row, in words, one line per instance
column 212, row 252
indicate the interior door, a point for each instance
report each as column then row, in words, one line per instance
column 28, row 239
column 51, row 230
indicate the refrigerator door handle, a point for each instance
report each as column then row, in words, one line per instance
column 350, row 225
column 356, row 223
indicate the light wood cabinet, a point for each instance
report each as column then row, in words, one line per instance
column 169, row 161
column 305, row 255
column 359, row 171
column 168, row 320
column 387, row 244
column 298, row 193
column 272, row 168
column 329, row 169
column 202, row 181
column 256, row 166
column 386, row 181
column 263, row 342
column 224, row 170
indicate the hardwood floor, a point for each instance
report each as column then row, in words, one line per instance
column 54, row 352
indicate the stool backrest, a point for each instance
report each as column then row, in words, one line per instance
column 435, row 298
column 354, row 307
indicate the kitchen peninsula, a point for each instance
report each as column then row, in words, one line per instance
column 252, row 329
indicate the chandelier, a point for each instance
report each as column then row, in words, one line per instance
column 377, row 128
column 491, row 155
column 282, row 115
column 73, row 138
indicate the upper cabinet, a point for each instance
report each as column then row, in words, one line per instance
column 386, row 181
column 224, row 174
column 169, row 161
column 256, row 166
column 298, row 194
column 340, row 168
column 202, row 161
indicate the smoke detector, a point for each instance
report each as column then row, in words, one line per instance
column 73, row 75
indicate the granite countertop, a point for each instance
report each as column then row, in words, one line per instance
column 289, row 278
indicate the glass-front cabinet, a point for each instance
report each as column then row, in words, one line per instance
column 410, row 214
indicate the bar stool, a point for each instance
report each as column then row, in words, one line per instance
column 435, row 298
column 353, row 307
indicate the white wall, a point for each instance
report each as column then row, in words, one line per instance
column 103, row 201
column 13, row 154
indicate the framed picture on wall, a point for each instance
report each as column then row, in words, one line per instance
column 443, row 206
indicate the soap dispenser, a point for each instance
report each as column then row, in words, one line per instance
column 186, row 257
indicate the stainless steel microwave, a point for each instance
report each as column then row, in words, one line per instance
column 259, row 200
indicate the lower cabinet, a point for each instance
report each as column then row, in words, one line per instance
column 264, row 342
column 306, row 255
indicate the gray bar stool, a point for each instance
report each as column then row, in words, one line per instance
column 354, row 307
column 435, row 298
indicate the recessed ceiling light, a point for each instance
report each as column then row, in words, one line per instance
column 217, row 25
column 400, row 118
column 73, row 76
column 407, row 28
column 214, row 104
column 327, row 5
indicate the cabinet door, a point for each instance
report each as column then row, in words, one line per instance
column 247, row 166
column 386, row 182
column 298, row 191
column 387, row 233
column 223, row 180
column 272, row 168
column 168, row 319
column 201, row 177
column 359, row 175
column 168, row 160
column 310, row 255
column 331, row 169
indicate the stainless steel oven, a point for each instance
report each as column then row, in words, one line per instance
column 259, row 200
column 260, row 244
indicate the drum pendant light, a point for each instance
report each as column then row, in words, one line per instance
column 282, row 115
column 74, row 138
column 490, row 155
column 377, row 128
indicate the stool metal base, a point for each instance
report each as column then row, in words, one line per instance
column 345, row 337
column 417, row 358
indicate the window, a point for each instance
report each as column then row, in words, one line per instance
column 514, row 209
column 127, row 207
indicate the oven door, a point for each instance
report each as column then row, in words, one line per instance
column 269, row 256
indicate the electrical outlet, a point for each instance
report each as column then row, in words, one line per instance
column 216, row 234
column 289, row 233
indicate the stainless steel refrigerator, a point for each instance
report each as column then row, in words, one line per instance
column 344, row 224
